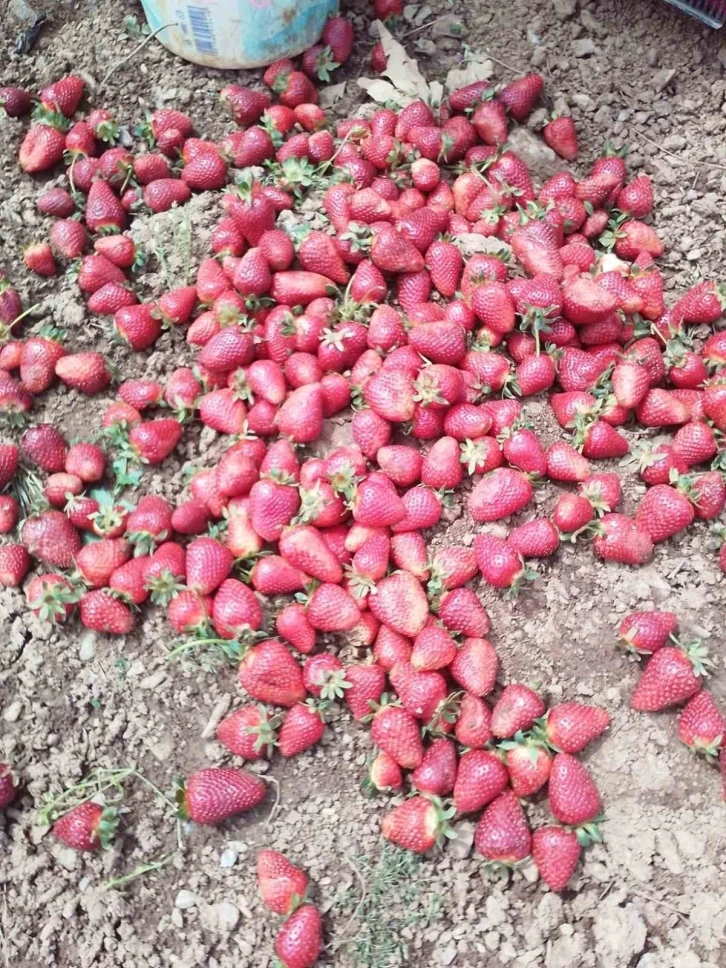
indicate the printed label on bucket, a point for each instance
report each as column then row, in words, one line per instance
column 238, row 33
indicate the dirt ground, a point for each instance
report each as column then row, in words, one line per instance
column 631, row 71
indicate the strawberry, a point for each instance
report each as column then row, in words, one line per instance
column 537, row 538
column 57, row 202
column 208, row 563
column 9, row 513
column 502, row 835
column 301, row 416
column 436, row 775
column 584, row 301
column 51, row 537
column 331, row 609
column 245, row 105
column 86, row 372
column 236, row 610
column 499, row 564
column 367, row 682
column 272, row 507
column 522, row 448
column 561, row 136
column 417, row 824
column 621, row 539
column 528, row 764
column 8, row 789
column 87, row 826
column 516, row 710
column 701, row 726
column 163, row 193
column 433, row 648
column 520, row 96
column 396, row 732
column 282, row 885
column 472, row 728
column 481, row 456
column 570, row 727
column 338, row 35
column 556, row 852
column 564, row 463
column 128, row 581
column 207, row 172
column 461, row 611
column 299, row 941
column 664, row 512
column 60, row 487
column 636, row 198
column 212, row 795
column 659, row 408
column 150, row 167
column 490, row 121
column 393, row 253
column 188, row 612
column 153, row 440
column 648, row 631
column 481, row 778
column 302, row 727
column 573, row 796
column 703, row 303
column 42, row 148
column 15, row 101
column 535, row 374
column 45, row 446
column 499, row 494
column 707, row 493
column 671, row 677
column 103, row 210
column 96, row 562
column 101, row 612
column 631, row 381
column 39, row 259
column 69, row 238
column 269, row 673
column 14, row 565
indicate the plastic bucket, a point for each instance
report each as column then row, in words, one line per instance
column 237, row 34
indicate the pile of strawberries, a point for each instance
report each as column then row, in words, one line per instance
column 274, row 547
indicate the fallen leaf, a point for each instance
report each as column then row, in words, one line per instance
column 379, row 90
column 474, row 71
column 401, row 69
column 329, row 95
column 470, row 242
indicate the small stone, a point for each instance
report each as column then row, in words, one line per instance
column 661, row 79
column 13, row 712
column 87, row 648
column 583, row 47
column 228, row 915
column 565, row 9
column 448, row 955
column 584, row 102
column 185, row 900
column 460, row 848
column 228, row 857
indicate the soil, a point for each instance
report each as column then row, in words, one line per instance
column 652, row 895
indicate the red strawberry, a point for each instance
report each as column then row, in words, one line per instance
column 45, row 446
column 14, row 565
column 208, row 563
column 555, row 851
column 51, row 537
column 701, row 726
column 87, row 826
column 101, row 612
column 150, row 167
column 461, row 611
column 367, row 682
column 437, row 772
column 646, row 632
column 269, row 673
column 663, row 512
column 299, row 941
column 8, row 790
column 97, row 561
column 85, row 372
column 529, row 766
column 573, row 796
column 502, row 835
column 570, row 727
column 42, row 148
column 671, row 677
column 301, row 416
column 281, row 883
column 561, row 136
column 214, row 794
column 417, row 824
column 39, row 259
column 499, row 494
column 163, row 193
column 636, row 198
column 206, row 172
column 302, row 727
column 521, row 96
column 396, row 732
column 499, row 564
column 621, row 539
column 69, row 238
column 481, row 778
column 338, row 35
column 516, row 710
column 332, row 609
column 154, row 440
column 15, row 101
column 245, row 105
column 9, row 513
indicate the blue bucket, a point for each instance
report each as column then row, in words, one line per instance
column 237, row 34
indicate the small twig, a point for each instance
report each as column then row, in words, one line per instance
column 139, row 871
column 429, row 23
column 134, row 52
column 276, row 804
column 361, row 901
column 664, row 904
column 687, row 161
column 514, row 70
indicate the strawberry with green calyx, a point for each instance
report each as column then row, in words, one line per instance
column 528, row 762
column 647, row 631
column 570, row 727
column 418, row 824
column 86, row 815
column 701, row 726
column 302, row 727
column 283, row 885
column 673, row 675
column 556, row 852
column 384, row 775
column 396, row 731
column 249, row 732
column 574, row 799
column 299, row 941
column 212, row 795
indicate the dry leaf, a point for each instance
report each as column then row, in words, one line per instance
column 401, row 69
column 381, row 91
column 329, row 95
column 470, row 242
column 474, row 71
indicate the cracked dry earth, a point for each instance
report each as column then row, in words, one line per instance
column 653, row 895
